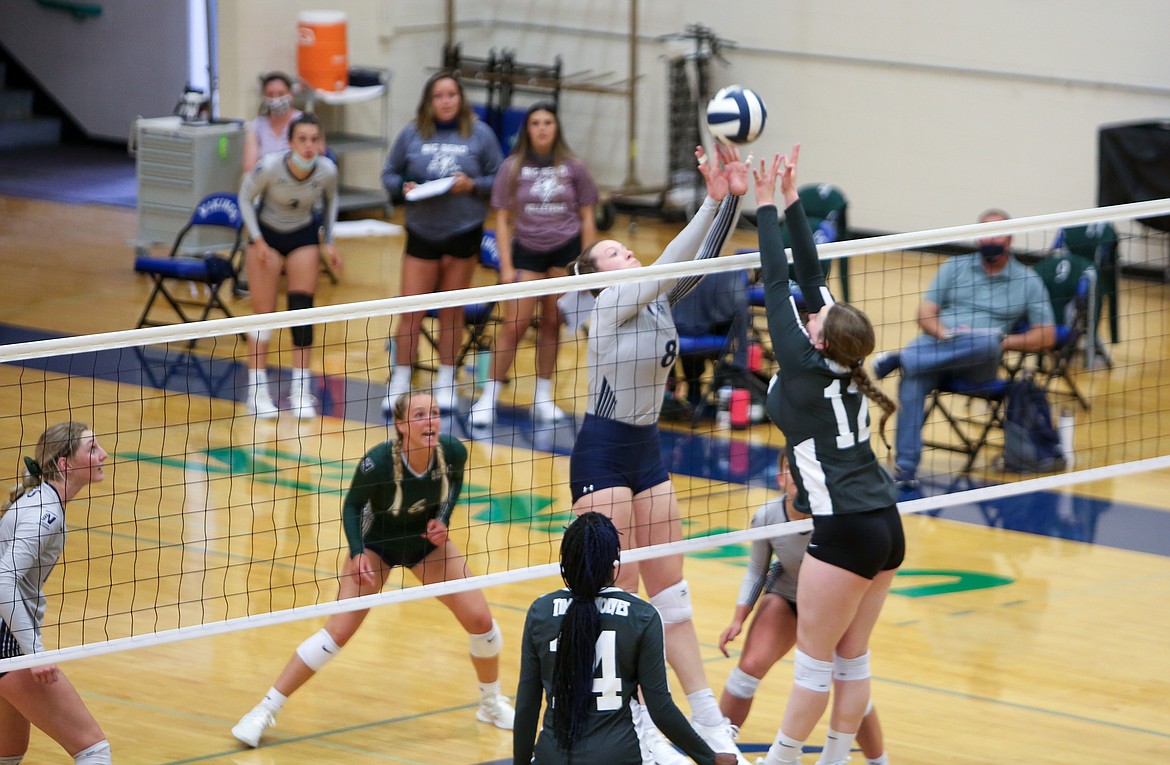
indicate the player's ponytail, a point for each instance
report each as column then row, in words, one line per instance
column 60, row 440
column 589, row 549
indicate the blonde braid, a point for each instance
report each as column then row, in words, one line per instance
column 396, row 461
column 445, row 486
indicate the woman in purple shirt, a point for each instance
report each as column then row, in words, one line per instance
column 544, row 200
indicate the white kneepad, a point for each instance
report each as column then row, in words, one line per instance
column 814, row 674
column 674, row 603
column 488, row 644
column 13, row 760
column 318, row 650
column 741, row 685
column 851, row 669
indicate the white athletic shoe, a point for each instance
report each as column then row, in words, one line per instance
column 721, row 737
column 483, row 413
column 260, row 403
column 496, row 710
column 252, row 725
column 302, row 403
column 392, row 393
column 662, row 752
column 548, row 412
column 446, row 397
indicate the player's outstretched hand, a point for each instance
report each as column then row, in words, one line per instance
column 734, row 170
column 711, row 168
column 765, row 177
column 788, row 175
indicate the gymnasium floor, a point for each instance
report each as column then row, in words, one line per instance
column 1029, row 630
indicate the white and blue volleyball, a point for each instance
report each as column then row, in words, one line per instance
column 736, row 114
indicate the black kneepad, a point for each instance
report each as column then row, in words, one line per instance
column 302, row 337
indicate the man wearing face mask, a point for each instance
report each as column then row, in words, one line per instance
column 268, row 133
column 968, row 318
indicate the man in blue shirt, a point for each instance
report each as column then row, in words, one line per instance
column 968, row 317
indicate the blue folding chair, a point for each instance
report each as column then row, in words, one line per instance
column 203, row 274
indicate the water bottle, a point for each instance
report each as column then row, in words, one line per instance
column 483, row 366
column 1066, row 428
column 723, row 414
column 741, row 401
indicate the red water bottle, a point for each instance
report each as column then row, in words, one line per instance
column 755, row 357
column 741, row 402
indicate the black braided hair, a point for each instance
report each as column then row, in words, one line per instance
column 589, row 549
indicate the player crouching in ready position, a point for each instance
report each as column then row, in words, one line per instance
column 417, row 466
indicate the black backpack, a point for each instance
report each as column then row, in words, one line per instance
column 1031, row 442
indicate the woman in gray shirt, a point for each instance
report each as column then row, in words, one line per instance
column 32, row 536
column 278, row 201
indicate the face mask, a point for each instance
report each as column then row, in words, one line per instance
column 278, row 106
column 300, row 163
column 990, row 251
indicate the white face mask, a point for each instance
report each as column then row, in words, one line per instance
column 278, row 106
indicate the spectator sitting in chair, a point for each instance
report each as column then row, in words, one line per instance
column 717, row 306
column 967, row 317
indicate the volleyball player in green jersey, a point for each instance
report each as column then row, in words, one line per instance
column 396, row 514
column 587, row 649
column 818, row 399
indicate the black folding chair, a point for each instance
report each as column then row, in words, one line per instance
column 971, row 429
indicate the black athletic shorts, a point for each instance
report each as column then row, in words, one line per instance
column 285, row 242
column 462, row 246
column 540, row 262
column 407, row 556
column 864, row 543
column 610, row 453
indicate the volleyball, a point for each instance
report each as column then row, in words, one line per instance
column 736, row 114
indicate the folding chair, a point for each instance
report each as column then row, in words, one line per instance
column 477, row 317
column 1098, row 243
column 1071, row 282
column 712, row 324
column 203, row 274
column 826, row 207
column 758, row 322
column 971, row 429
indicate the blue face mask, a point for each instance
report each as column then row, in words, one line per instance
column 990, row 252
column 300, row 163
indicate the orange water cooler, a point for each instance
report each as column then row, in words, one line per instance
column 322, row 49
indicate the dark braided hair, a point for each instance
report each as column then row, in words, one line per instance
column 589, row 549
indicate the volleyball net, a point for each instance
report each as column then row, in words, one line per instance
column 211, row 520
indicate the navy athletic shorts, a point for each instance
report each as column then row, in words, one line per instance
column 609, row 453
column 285, row 242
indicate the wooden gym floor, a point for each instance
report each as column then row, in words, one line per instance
column 1029, row 630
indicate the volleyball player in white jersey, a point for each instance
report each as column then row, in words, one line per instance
column 32, row 537
column 278, row 201
column 616, row 467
